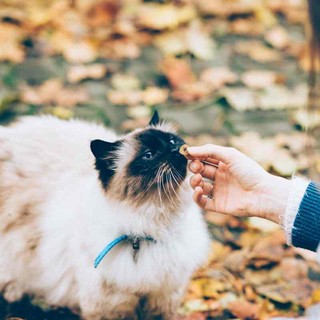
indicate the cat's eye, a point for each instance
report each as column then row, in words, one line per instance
column 148, row 155
column 172, row 141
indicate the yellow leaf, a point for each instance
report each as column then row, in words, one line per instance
column 62, row 113
column 164, row 16
column 125, row 82
column 265, row 16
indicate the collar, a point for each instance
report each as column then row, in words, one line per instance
column 134, row 240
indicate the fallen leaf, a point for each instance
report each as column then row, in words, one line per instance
column 245, row 27
column 278, row 37
column 177, row 71
column 164, row 16
column 218, row 77
column 150, row 96
column 284, row 163
column 194, row 305
column 154, row 95
column 245, row 310
column 80, row 72
column 236, row 261
column 298, row 291
column 307, row 119
column 257, row 51
column 80, row 51
column 62, row 112
column 139, row 111
column 280, row 97
column 293, row 268
column 191, row 92
column 193, row 316
column 265, row 16
column 262, row 224
column 225, row 8
column 53, row 92
column 240, row 99
column 124, row 97
column 258, row 79
column 10, row 38
column 193, row 39
column 121, row 81
column 199, row 43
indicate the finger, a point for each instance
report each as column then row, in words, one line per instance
column 202, row 201
column 205, row 170
column 208, row 151
column 199, row 198
column 197, row 181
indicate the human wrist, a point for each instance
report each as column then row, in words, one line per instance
column 272, row 199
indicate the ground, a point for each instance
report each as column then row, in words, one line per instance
column 229, row 72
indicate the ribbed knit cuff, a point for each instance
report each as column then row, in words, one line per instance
column 306, row 227
column 298, row 187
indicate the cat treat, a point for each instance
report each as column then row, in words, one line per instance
column 184, row 150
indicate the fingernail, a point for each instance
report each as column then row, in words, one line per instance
column 193, row 166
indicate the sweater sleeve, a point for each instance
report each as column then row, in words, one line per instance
column 306, row 227
column 302, row 216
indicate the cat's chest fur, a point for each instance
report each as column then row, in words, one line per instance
column 55, row 219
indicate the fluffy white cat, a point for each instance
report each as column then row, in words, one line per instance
column 61, row 204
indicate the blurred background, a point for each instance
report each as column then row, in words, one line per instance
column 231, row 72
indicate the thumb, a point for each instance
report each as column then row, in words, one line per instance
column 224, row 154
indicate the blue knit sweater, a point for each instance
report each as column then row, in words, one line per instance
column 306, row 227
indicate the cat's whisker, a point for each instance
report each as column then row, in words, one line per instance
column 173, row 179
column 178, row 184
column 170, row 187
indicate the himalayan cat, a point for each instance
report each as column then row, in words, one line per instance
column 62, row 203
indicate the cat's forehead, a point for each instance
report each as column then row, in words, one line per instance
column 151, row 135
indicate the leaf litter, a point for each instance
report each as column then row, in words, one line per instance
column 230, row 55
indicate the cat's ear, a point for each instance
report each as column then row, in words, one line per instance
column 155, row 119
column 101, row 149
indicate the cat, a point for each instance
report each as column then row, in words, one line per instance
column 61, row 204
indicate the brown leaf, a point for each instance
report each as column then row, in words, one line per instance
column 177, row 71
column 297, row 291
column 226, row 8
column 245, row 309
column 191, row 92
column 293, row 268
column 256, row 50
column 236, row 261
column 193, row 316
column 53, row 92
column 10, row 37
column 246, row 27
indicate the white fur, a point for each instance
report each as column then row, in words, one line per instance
column 46, row 165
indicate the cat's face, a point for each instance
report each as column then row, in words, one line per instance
column 143, row 166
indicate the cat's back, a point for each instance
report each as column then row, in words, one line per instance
column 44, row 144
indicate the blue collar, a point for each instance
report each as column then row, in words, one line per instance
column 135, row 241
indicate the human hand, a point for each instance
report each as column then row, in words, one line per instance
column 239, row 186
